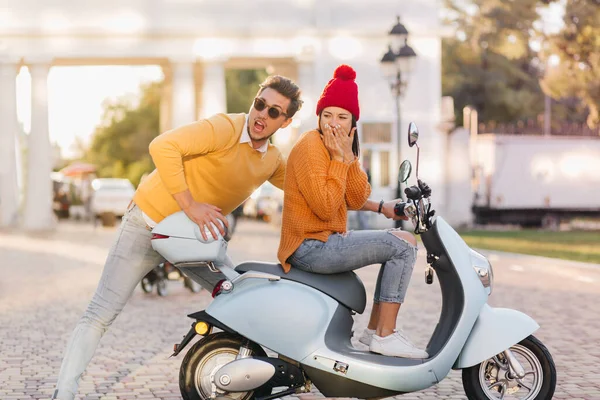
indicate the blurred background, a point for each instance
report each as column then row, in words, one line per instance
column 506, row 95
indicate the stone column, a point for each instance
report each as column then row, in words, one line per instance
column 306, row 81
column 9, row 130
column 213, row 93
column 38, row 202
column 183, row 98
column 166, row 99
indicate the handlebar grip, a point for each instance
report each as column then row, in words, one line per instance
column 399, row 209
column 413, row 192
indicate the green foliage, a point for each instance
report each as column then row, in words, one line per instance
column 491, row 66
column 577, row 46
column 569, row 245
column 242, row 86
column 120, row 143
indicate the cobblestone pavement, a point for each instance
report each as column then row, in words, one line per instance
column 47, row 281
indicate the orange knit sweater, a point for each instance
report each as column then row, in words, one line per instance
column 318, row 192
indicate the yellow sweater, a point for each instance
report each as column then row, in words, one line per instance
column 207, row 158
column 318, row 192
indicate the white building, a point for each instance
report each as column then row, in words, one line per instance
column 195, row 41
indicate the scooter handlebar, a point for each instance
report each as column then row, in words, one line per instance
column 413, row 193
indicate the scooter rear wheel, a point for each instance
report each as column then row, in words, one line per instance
column 205, row 358
column 491, row 379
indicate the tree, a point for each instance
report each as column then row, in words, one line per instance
column 242, row 86
column 577, row 49
column 119, row 144
column 490, row 64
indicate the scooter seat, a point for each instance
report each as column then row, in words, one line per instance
column 346, row 288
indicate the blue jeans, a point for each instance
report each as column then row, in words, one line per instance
column 357, row 249
column 129, row 260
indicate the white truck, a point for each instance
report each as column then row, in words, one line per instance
column 535, row 180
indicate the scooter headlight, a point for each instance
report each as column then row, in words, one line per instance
column 484, row 270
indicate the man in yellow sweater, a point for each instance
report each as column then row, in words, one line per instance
column 206, row 169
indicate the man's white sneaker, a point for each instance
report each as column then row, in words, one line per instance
column 367, row 336
column 396, row 345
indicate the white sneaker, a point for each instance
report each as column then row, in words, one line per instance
column 396, row 345
column 367, row 336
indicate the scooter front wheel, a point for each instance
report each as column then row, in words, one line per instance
column 205, row 358
column 492, row 379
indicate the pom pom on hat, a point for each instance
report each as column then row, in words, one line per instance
column 344, row 72
column 341, row 91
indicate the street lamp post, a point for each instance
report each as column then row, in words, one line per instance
column 396, row 66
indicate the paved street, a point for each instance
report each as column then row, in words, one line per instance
column 46, row 282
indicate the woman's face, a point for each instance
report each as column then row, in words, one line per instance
column 336, row 116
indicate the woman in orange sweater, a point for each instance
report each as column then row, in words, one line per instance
column 323, row 180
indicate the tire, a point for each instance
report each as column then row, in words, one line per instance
column 539, row 381
column 161, row 287
column 146, row 285
column 209, row 354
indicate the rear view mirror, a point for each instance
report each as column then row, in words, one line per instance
column 413, row 134
column 404, row 172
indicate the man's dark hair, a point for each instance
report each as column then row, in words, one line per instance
column 286, row 87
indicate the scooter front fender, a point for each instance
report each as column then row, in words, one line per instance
column 495, row 330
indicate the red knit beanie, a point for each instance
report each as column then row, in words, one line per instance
column 341, row 91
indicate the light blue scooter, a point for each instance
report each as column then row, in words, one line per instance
column 306, row 319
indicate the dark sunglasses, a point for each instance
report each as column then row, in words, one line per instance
column 274, row 113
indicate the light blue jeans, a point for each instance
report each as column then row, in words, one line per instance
column 357, row 249
column 130, row 258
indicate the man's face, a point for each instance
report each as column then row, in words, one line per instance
column 261, row 125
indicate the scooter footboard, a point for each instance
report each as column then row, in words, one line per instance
column 495, row 330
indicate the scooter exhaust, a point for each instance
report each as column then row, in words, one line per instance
column 243, row 375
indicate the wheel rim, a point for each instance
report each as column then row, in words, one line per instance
column 496, row 382
column 206, row 369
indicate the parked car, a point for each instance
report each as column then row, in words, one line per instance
column 111, row 196
column 264, row 203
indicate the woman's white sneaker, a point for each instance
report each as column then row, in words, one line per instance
column 396, row 345
column 367, row 336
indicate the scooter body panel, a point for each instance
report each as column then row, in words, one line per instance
column 183, row 241
column 298, row 322
column 495, row 330
column 284, row 316
column 292, row 319
column 303, row 324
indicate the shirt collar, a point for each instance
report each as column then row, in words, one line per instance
column 245, row 138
